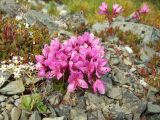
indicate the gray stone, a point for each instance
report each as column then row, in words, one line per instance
column 78, row 114
column 53, row 113
column 115, row 93
column 108, row 81
column 153, row 108
column 146, row 53
column 17, row 102
column 55, row 98
column 1, row 117
column 25, row 115
column 5, row 115
column 151, row 94
column 119, row 76
column 56, row 118
column 98, row 27
column 63, row 110
column 96, row 115
column 15, row 113
column 2, row 98
column 73, row 21
column 115, row 60
column 10, row 7
column 3, row 104
column 94, row 101
column 9, row 106
column 33, row 16
column 35, row 116
column 4, row 76
column 14, row 87
column 147, row 33
column 113, row 39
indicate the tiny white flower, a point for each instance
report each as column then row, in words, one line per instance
column 2, row 79
column 18, row 17
column 142, row 82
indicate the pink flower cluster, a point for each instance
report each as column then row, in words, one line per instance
column 116, row 9
column 81, row 57
column 143, row 10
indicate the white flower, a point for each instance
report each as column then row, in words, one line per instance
column 142, row 82
column 3, row 68
column 2, row 79
column 18, row 17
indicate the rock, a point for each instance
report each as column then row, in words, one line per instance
column 127, row 61
column 4, row 76
column 119, row 76
column 10, row 7
column 65, row 33
column 5, row 115
column 17, row 102
column 115, row 93
column 35, row 116
column 151, row 94
column 14, row 87
column 108, row 82
column 63, row 110
column 15, row 97
column 73, row 21
column 147, row 33
column 98, row 27
column 78, row 114
column 9, row 107
column 146, row 53
column 128, row 49
column 62, row 9
column 53, row 113
column 2, row 98
column 94, row 101
column 25, row 115
column 132, row 102
column 56, row 118
column 152, row 108
column 15, row 113
column 115, row 60
column 1, row 117
column 113, row 39
column 96, row 115
column 55, row 98
column 33, row 16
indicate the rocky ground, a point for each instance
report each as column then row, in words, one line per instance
column 128, row 95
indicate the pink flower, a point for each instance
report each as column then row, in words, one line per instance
column 101, row 68
column 80, row 57
column 103, row 8
column 98, row 87
column 136, row 16
column 144, row 9
column 117, row 9
column 39, row 58
column 76, row 80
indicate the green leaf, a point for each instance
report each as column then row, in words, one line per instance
column 41, row 107
column 26, row 102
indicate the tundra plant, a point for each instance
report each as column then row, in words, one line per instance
column 79, row 61
column 142, row 10
column 116, row 10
